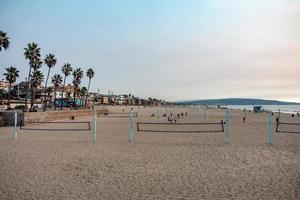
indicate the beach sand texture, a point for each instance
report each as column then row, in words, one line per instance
column 69, row 165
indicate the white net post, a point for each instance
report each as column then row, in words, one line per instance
column 95, row 125
column 15, row 125
column 138, row 114
column 227, row 127
column 130, row 127
column 270, row 129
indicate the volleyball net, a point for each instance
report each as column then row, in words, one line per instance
column 56, row 126
column 117, row 115
column 181, row 127
column 287, row 127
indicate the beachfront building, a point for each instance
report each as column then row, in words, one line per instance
column 120, row 99
column 105, row 100
column 4, row 85
column 67, row 92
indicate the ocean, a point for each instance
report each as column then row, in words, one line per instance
column 292, row 109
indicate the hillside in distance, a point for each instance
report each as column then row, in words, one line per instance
column 235, row 101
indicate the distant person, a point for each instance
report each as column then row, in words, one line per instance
column 123, row 109
column 185, row 113
column 244, row 119
column 174, row 118
column 277, row 120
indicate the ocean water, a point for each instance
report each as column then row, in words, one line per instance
column 292, row 109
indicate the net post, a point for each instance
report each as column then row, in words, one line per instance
column 270, row 128
column 138, row 114
column 279, row 114
column 227, row 127
column 130, row 127
column 95, row 125
column 204, row 113
column 15, row 125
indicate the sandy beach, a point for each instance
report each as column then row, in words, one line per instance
column 69, row 165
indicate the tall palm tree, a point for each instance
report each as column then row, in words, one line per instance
column 77, row 76
column 4, row 40
column 32, row 53
column 50, row 61
column 66, row 70
column 37, row 79
column 90, row 74
column 56, row 81
column 11, row 76
column 82, row 92
column 1, row 96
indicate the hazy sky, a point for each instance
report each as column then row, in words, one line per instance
column 171, row 49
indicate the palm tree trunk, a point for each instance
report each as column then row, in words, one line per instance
column 27, row 87
column 9, row 90
column 87, row 93
column 55, row 98
column 45, row 94
column 32, row 98
column 74, row 97
column 62, row 94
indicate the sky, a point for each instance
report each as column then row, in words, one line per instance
column 169, row 49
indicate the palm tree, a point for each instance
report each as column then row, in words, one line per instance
column 32, row 53
column 77, row 75
column 4, row 40
column 90, row 74
column 11, row 76
column 37, row 79
column 82, row 92
column 50, row 61
column 56, row 81
column 66, row 70
column 1, row 96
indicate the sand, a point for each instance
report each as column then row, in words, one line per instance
column 69, row 165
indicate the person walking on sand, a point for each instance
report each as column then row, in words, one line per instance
column 244, row 119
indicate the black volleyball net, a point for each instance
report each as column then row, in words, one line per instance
column 181, row 127
column 56, row 126
column 287, row 127
column 117, row 115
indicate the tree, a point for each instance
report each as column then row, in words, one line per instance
column 90, row 74
column 56, row 81
column 37, row 79
column 1, row 96
column 77, row 76
column 66, row 70
column 82, row 93
column 11, row 76
column 32, row 53
column 4, row 40
column 50, row 61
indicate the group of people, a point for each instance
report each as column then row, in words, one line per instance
column 173, row 119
